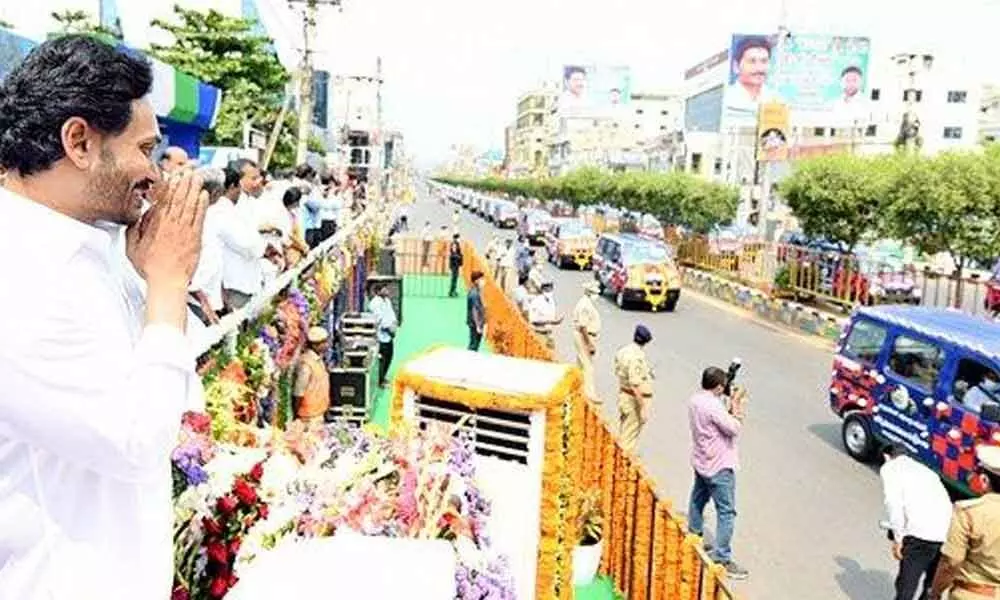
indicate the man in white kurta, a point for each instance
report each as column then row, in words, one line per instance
column 95, row 376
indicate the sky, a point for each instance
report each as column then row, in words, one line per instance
column 454, row 68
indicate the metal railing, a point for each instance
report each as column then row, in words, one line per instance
column 646, row 547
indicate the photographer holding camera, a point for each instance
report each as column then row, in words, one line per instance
column 716, row 417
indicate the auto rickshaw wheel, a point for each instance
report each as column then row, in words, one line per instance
column 856, row 435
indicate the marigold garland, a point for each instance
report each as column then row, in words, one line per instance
column 630, row 523
column 659, row 558
column 642, row 535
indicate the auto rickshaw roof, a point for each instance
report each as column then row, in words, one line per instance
column 953, row 326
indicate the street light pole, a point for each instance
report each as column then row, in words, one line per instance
column 765, row 177
column 309, row 14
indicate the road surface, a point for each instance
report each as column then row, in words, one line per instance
column 807, row 524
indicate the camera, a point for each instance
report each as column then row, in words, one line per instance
column 731, row 372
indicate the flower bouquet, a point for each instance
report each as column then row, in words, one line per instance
column 311, row 481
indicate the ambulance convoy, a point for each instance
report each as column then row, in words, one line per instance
column 630, row 260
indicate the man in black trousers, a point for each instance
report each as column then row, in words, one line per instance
column 455, row 259
column 475, row 312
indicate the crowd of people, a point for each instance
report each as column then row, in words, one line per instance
column 258, row 225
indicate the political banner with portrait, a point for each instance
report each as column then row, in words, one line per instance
column 822, row 72
column 817, row 74
column 594, row 89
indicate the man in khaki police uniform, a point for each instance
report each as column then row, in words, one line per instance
column 312, row 381
column 586, row 329
column 970, row 558
column 542, row 314
column 536, row 277
column 635, row 387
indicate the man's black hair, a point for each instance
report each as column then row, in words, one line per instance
column 712, row 377
column 69, row 76
column 233, row 177
column 894, row 449
column 293, row 196
column 240, row 164
column 754, row 41
column 851, row 69
column 570, row 70
column 993, row 479
column 304, row 171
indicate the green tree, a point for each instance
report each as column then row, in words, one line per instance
column 225, row 52
column 948, row 203
column 674, row 198
column 80, row 21
column 840, row 197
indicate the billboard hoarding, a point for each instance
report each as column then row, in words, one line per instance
column 708, row 64
column 772, row 132
column 813, row 73
column 594, row 89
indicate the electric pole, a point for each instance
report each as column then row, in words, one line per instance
column 309, row 13
column 764, row 179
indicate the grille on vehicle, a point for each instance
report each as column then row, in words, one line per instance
column 496, row 433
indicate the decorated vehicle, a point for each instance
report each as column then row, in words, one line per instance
column 922, row 377
column 644, row 224
column 504, row 214
column 635, row 269
column 569, row 241
column 533, row 225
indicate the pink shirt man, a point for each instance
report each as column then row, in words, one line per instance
column 713, row 435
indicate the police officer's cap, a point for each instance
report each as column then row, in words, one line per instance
column 642, row 335
column 316, row 335
column 989, row 458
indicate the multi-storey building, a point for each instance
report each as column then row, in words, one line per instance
column 616, row 139
column 989, row 114
column 532, row 130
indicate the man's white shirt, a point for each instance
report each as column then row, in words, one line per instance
column 385, row 318
column 208, row 276
column 90, row 409
column 242, row 247
column 916, row 501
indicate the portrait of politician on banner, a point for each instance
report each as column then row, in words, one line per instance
column 751, row 59
column 589, row 90
column 825, row 75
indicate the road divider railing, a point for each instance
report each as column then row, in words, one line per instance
column 646, row 547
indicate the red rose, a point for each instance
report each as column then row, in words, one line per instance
column 257, row 472
column 264, row 511
column 245, row 492
column 227, row 504
column 219, row 587
column 212, row 527
column 234, row 546
column 217, row 553
column 198, row 422
column 180, row 593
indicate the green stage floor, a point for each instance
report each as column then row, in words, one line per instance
column 431, row 318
